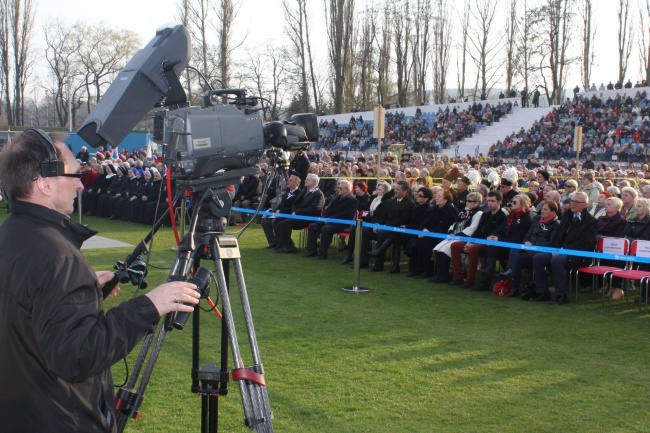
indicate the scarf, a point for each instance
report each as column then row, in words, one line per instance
column 547, row 220
column 513, row 216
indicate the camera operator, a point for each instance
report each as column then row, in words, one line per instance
column 300, row 165
column 58, row 343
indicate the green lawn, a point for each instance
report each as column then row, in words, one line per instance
column 410, row 356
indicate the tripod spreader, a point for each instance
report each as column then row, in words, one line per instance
column 212, row 380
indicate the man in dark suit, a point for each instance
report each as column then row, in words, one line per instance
column 577, row 231
column 288, row 198
column 398, row 213
column 310, row 203
column 342, row 206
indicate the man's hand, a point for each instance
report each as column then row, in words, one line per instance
column 173, row 296
column 104, row 277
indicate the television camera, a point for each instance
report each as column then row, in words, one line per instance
column 205, row 149
column 201, row 141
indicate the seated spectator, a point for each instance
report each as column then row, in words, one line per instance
column 342, row 206
column 308, row 203
column 540, row 233
column 465, row 225
column 384, row 192
column 396, row 215
column 517, row 225
column 612, row 224
column 599, row 209
column 285, row 204
column 577, row 231
column 570, row 186
column 489, row 224
column 590, row 188
column 420, row 217
column 639, row 227
column 628, row 196
column 247, row 193
column 440, row 219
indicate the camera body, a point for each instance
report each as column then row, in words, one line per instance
column 204, row 140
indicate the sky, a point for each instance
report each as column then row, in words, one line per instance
column 262, row 20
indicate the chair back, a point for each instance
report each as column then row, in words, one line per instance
column 640, row 248
column 613, row 245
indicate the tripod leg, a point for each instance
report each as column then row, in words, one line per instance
column 251, row 381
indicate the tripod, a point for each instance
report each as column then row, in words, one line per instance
column 206, row 240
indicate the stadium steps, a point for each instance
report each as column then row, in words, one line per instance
column 486, row 137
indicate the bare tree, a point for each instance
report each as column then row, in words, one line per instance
column 484, row 50
column 462, row 68
column 625, row 35
column 588, row 35
column 339, row 17
column 316, row 92
column 226, row 13
column 527, row 40
column 62, row 43
column 16, row 27
column 5, row 58
column 510, row 42
column 554, row 33
column 441, row 48
column 295, row 30
column 644, row 41
column 366, row 58
column 383, row 38
column 103, row 53
column 403, row 64
column 421, row 49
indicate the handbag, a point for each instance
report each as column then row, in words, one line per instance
column 502, row 287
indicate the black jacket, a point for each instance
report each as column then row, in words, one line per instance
column 364, row 202
column 396, row 213
column 490, row 224
column 57, row 342
column 612, row 227
column 288, row 200
column 579, row 235
column 517, row 230
column 442, row 218
column 541, row 234
column 248, row 188
column 341, row 207
column 638, row 229
column 420, row 216
column 309, row 203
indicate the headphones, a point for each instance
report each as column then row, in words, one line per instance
column 53, row 167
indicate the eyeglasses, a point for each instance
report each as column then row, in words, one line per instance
column 75, row 175
column 471, row 201
column 420, row 195
column 578, row 202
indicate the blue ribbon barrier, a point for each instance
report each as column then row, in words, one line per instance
column 509, row 245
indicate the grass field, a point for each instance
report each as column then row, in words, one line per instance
column 410, row 356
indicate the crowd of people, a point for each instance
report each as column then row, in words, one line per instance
column 547, row 211
column 423, row 132
column 613, row 129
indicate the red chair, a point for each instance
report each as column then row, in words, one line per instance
column 639, row 249
column 595, row 269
